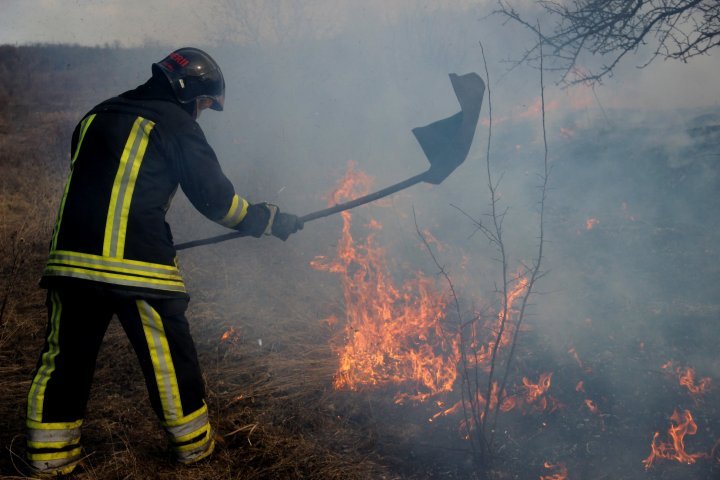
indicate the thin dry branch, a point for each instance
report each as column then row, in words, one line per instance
column 612, row 29
column 464, row 368
column 535, row 272
column 497, row 237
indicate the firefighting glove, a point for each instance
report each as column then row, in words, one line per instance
column 282, row 225
column 257, row 220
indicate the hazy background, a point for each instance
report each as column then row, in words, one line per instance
column 311, row 85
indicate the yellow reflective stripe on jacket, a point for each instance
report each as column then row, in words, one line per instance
column 84, row 125
column 117, row 265
column 162, row 363
column 236, row 213
column 114, row 278
column 124, row 186
column 119, row 271
column 36, row 395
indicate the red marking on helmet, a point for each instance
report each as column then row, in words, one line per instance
column 179, row 59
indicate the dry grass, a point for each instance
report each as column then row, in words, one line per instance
column 264, row 400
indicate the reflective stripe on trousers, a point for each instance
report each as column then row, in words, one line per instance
column 160, row 336
column 53, row 447
column 191, row 436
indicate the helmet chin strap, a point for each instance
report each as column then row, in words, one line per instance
column 197, row 110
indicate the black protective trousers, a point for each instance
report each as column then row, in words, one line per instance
column 160, row 336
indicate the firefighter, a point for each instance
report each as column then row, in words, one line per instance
column 111, row 252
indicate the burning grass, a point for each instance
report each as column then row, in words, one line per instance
column 330, row 373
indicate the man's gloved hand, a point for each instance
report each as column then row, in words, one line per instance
column 284, row 224
column 266, row 219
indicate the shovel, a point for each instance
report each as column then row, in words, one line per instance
column 446, row 144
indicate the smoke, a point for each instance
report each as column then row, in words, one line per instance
column 635, row 154
column 310, row 87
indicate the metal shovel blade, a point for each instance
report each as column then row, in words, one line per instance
column 446, row 142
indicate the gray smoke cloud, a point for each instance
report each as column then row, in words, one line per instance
column 310, row 87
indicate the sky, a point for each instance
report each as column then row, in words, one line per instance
column 132, row 23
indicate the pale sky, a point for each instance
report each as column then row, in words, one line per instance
column 134, row 22
column 86, row 22
column 176, row 23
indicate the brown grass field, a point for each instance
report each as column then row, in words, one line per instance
column 270, row 384
column 269, row 403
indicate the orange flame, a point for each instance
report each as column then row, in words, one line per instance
column 393, row 333
column 580, row 386
column 592, row 406
column 561, row 474
column 482, row 353
column 536, row 393
column 590, row 223
column 682, row 425
column 230, row 335
column 686, row 377
column 575, row 355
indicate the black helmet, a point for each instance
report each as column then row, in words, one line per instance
column 193, row 74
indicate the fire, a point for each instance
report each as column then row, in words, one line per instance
column 561, row 474
column 529, row 397
column 682, row 425
column 482, row 353
column 580, row 387
column 592, row 406
column 535, row 393
column 393, row 334
column 508, row 403
column 230, row 335
column 575, row 355
column 686, row 377
column 590, row 223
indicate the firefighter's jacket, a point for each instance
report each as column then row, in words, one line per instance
column 128, row 156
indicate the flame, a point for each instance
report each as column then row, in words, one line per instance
column 580, row 386
column 561, row 474
column 575, row 355
column 682, row 425
column 231, row 335
column 686, row 377
column 590, row 223
column 393, row 334
column 592, row 406
column 508, row 403
column 482, row 352
column 536, row 393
